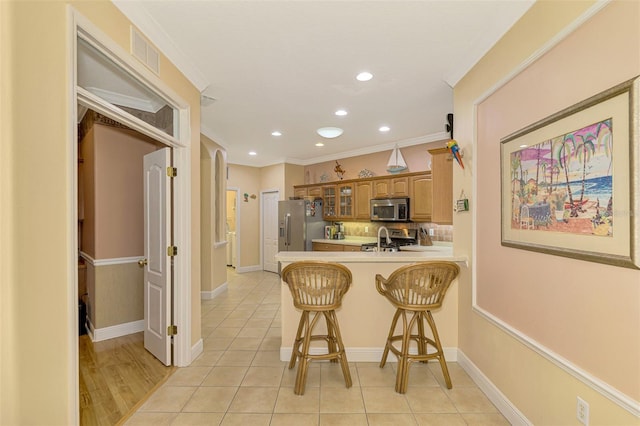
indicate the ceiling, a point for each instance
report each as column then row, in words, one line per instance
column 289, row 65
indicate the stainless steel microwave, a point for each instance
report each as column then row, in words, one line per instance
column 390, row 210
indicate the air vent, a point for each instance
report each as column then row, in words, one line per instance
column 146, row 53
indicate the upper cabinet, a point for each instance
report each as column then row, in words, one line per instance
column 329, row 206
column 391, row 187
column 442, row 175
column 421, row 202
column 362, row 197
column 346, row 208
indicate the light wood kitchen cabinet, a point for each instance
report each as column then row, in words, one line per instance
column 346, row 247
column 363, row 195
column 299, row 192
column 442, row 177
column 314, row 192
column 329, row 200
column 420, row 205
column 391, row 187
column 346, row 208
column 327, row 247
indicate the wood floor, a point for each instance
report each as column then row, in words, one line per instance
column 115, row 376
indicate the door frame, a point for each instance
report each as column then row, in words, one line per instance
column 262, row 194
column 181, row 147
column 236, row 247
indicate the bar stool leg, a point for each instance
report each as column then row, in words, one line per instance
column 403, row 357
column 331, row 336
column 436, row 338
column 421, row 338
column 295, row 350
column 340, row 347
column 389, row 338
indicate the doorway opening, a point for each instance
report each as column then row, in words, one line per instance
column 232, row 227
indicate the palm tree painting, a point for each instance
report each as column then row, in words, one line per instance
column 566, row 182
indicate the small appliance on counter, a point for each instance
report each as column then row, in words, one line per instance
column 399, row 237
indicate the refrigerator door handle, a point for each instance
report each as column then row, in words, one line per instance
column 287, row 230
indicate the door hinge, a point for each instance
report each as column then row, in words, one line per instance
column 172, row 171
column 172, row 330
column 172, row 251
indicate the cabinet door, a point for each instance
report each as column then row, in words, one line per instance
column 346, row 207
column 314, row 192
column 400, row 187
column 327, row 247
column 351, row 248
column 299, row 192
column 381, row 188
column 363, row 195
column 442, row 175
column 330, row 208
column 421, row 204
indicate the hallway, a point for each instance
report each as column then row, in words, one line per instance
column 239, row 378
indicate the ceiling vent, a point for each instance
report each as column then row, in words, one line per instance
column 142, row 50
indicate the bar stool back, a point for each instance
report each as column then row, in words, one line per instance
column 317, row 287
column 415, row 290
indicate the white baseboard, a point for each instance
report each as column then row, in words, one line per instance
column 105, row 333
column 207, row 295
column 243, row 269
column 364, row 354
column 197, row 349
column 502, row 403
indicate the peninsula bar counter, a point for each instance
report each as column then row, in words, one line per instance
column 365, row 315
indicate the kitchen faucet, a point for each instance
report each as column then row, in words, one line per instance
column 386, row 231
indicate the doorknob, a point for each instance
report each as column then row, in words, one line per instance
column 142, row 262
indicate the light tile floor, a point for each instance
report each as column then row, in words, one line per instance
column 240, row 380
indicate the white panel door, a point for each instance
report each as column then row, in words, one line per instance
column 157, row 271
column 270, row 230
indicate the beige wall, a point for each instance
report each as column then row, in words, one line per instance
column 247, row 180
column 213, row 270
column 39, row 370
column 586, row 313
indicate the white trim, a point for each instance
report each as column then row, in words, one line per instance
column 364, row 354
column 113, row 261
column 197, row 349
column 262, row 194
column 236, row 247
column 243, row 269
column 220, row 244
column 73, row 388
column 502, row 403
column 149, row 27
column 106, row 333
column 208, row 295
column 181, row 145
column 127, row 101
column 603, row 388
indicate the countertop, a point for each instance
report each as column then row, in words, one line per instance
column 419, row 254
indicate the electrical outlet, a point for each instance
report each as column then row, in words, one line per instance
column 366, row 229
column 582, row 411
column 432, row 232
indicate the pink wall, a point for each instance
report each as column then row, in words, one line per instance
column 586, row 312
column 416, row 157
column 118, row 192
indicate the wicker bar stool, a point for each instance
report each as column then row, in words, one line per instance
column 317, row 287
column 415, row 290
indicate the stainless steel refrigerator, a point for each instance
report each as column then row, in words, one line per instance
column 299, row 222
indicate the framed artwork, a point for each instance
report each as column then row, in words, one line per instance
column 570, row 182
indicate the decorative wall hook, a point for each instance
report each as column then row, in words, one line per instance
column 449, row 125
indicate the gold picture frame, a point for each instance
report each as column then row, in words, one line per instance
column 570, row 182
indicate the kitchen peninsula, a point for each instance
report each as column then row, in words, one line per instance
column 365, row 315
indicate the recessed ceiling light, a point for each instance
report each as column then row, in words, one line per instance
column 276, row 133
column 384, row 128
column 330, row 132
column 524, row 146
column 252, row 153
column 341, row 112
column 364, row 76
column 319, row 144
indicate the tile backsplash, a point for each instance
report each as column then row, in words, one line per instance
column 357, row 229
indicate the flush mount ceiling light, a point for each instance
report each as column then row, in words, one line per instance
column 384, row 128
column 341, row 112
column 253, row 153
column 329, row 132
column 276, row 133
column 364, row 76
